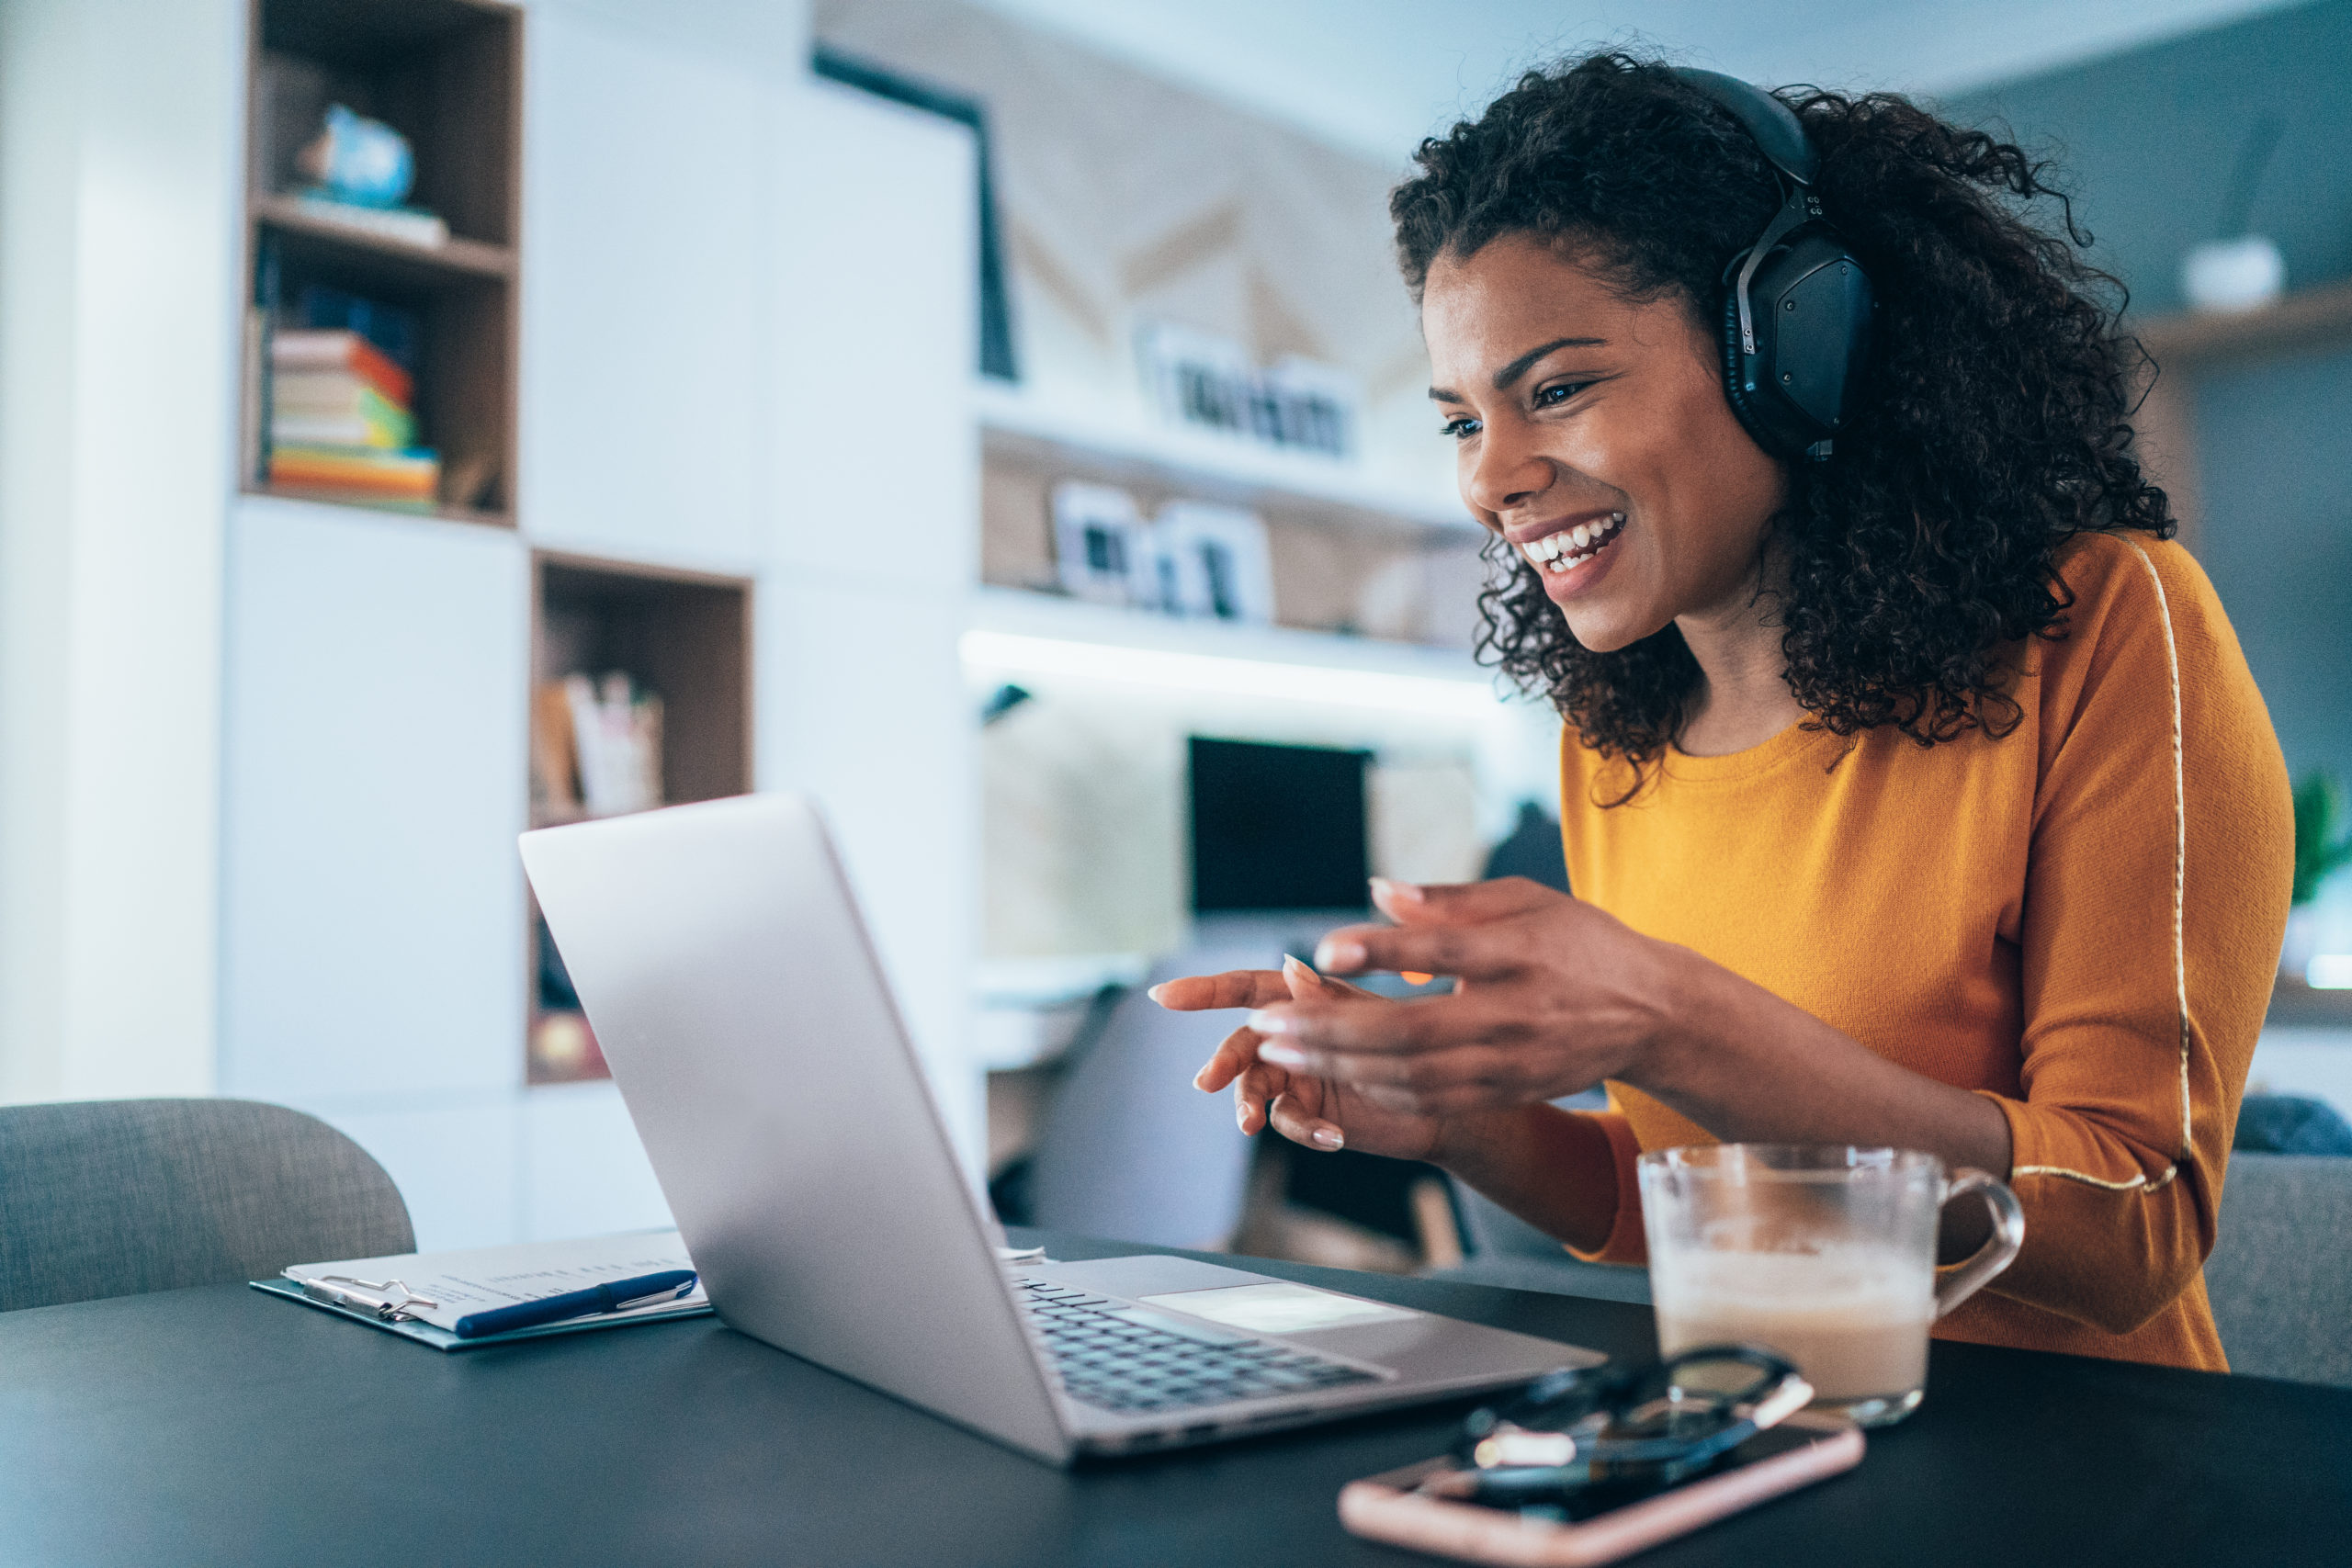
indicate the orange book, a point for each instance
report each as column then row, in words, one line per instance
column 415, row 472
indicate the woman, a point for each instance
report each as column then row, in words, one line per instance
column 1917, row 796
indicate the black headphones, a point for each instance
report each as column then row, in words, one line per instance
column 1797, row 320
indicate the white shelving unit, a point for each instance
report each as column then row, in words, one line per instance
column 284, row 866
column 1009, row 625
column 1229, row 468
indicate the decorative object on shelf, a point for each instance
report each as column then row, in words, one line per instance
column 1102, row 547
column 358, row 160
column 564, row 1049
column 2242, row 270
column 1200, row 378
column 361, row 171
column 2323, row 834
column 555, row 758
column 1216, row 565
column 617, row 741
column 2322, row 847
column 561, row 1047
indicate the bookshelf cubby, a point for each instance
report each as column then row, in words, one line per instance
column 447, row 74
column 680, row 637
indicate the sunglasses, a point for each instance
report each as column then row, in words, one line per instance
column 1591, row 1436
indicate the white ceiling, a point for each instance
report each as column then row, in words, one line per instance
column 1377, row 75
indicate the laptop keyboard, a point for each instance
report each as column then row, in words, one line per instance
column 1133, row 1360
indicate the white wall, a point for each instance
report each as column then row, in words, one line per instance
column 120, row 141
column 874, row 546
column 647, row 358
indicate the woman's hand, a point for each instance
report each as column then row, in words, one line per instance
column 1552, row 996
column 1315, row 1112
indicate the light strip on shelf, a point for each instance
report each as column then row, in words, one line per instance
column 2329, row 972
column 1472, row 696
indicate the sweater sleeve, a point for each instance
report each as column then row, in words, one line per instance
column 2155, row 897
column 1626, row 1242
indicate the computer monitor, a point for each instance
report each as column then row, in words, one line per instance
column 1277, row 827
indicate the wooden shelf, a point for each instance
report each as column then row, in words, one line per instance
column 683, row 637
column 447, row 74
column 2295, row 1004
column 444, row 512
column 2309, row 319
column 458, row 262
column 1018, row 613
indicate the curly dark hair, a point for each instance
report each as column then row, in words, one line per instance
column 1994, row 422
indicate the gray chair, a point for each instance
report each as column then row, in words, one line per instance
column 117, row 1197
column 1506, row 1251
column 2280, row 1275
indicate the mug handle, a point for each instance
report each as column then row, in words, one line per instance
column 2008, row 1235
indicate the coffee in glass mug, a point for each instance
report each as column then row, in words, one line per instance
column 1824, row 1253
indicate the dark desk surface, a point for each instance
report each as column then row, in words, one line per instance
column 221, row 1426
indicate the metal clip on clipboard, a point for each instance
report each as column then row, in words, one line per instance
column 387, row 1298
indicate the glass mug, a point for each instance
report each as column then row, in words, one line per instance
column 1824, row 1254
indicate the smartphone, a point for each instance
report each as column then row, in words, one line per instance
column 1799, row 1451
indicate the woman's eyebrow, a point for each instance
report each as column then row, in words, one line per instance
column 1517, row 367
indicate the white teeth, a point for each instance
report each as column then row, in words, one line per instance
column 1570, row 547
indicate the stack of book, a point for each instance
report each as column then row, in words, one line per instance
column 340, row 426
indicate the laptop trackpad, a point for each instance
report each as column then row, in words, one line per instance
column 1279, row 1307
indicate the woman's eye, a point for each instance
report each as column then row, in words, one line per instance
column 1558, row 394
column 1459, row 429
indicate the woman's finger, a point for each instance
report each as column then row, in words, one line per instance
column 1252, row 1092
column 1461, row 903
column 1305, row 985
column 1480, row 1068
column 1486, row 951
column 1234, row 1053
column 1299, row 1035
column 1308, row 1132
column 1234, row 988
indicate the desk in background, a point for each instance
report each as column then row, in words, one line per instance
column 220, row 1426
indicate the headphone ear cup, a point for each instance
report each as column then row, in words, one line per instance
column 1743, row 407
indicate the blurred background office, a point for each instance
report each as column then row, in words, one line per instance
column 425, row 419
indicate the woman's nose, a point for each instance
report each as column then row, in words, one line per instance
column 1505, row 472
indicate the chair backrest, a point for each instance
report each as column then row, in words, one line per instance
column 117, row 1197
column 2280, row 1275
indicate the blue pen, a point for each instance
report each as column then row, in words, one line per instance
column 618, row 1296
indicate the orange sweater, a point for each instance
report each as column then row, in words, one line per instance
column 2080, row 920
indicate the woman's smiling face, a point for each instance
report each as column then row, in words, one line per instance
column 1575, row 408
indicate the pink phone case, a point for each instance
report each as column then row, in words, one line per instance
column 1384, row 1508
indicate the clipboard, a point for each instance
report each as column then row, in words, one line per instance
column 497, row 1276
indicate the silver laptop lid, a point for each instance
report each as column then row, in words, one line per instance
column 720, row 958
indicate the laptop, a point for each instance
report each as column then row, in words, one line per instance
column 724, row 967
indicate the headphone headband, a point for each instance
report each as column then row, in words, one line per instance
column 1770, row 123
column 1796, row 309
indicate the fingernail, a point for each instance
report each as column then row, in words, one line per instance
column 1329, row 1137
column 1241, row 1116
column 1154, row 992
column 1281, row 1055
column 1266, row 1022
column 1337, row 953
column 1292, row 965
column 1386, row 892
column 1198, row 1077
